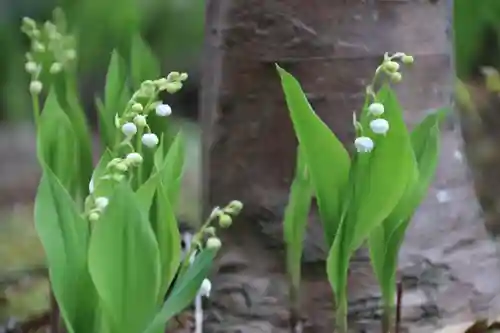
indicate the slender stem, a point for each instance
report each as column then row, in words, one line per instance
column 139, row 151
column 36, row 110
column 399, row 300
column 387, row 319
column 341, row 315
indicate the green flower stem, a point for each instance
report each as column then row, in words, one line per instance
column 139, row 151
column 341, row 313
column 36, row 110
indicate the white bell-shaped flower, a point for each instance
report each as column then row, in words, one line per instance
column 129, row 129
column 364, row 144
column 150, row 140
column 379, row 126
column 376, row 109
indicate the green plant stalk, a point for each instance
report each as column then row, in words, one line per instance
column 341, row 311
column 36, row 110
column 295, row 222
column 139, row 170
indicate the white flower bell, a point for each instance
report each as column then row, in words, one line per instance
column 150, row 140
column 379, row 126
column 163, row 110
column 129, row 129
column 206, row 288
column 134, row 158
column 364, row 144
column 101, row 202
column 376, row 109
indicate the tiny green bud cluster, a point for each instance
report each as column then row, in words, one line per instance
column 52, row 48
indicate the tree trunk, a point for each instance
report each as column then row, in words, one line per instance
column 333, row 48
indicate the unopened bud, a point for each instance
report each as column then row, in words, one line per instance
column 118, row 177
column 134, row 158
column 38, row 47
column 173, row 76
column 376, row 109
column 209, row 231
column 173, row 87
column 236, row 206
column 70, row 54
column 31, row 67
column 213, row 243
column 183, row 76
column 396, row 77
column 391, row 66
column 36, row 87
column 122, row 167
column 225, row 221
column 140, row 120
column 101, row 202
column 94, row 217
column 137, row 107
column 407, row 59
column 55, row 68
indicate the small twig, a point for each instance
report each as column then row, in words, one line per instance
column 399, row 298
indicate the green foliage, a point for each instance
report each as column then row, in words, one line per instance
column 110, row 232
column 369, row 197
column 65, row 235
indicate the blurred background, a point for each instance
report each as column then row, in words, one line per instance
column 174, row 30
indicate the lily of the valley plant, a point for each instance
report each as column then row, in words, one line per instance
column 369, row 195
column 110, row 233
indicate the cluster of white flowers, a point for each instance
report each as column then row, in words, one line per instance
column 379, row 125
column 48, row 44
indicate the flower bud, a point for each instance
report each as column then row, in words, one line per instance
column 209, row 231
column 205, row 288
column 70, row 54
column 36, row 87
column 391, row 66
column 379, row 126
column 161, row 83
column 91, row 185
column 122, row 166
column 407, row 59
column 173, row 87
column 137, row 107
column 396, row 77
column 101, row 202
column 363, row 144
column 38, row 47
column 129, row 129
column 31, row 67
column 134, row 159
column 183, row 77
column 173, row 76
column 376, row 109
column 214, row 243
column 55, row 68
column 118, row 177
column 216, row 212
column 93, row 217
column 225, row 221
column 235, row 206
column 163, row 110
column 150, row 140
column 140, row 120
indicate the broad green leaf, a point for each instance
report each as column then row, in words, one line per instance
column 101, row 186
column 184, row 291
column 124, row 263
column 295, row 221
column 115, row 82
column 106, row 128
column 380, row 183
column 173, row 168
column 326, row 157
column 64, row 235
column 57, row 143
column 385, row 241
column 168, row 237
column 144, row 64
